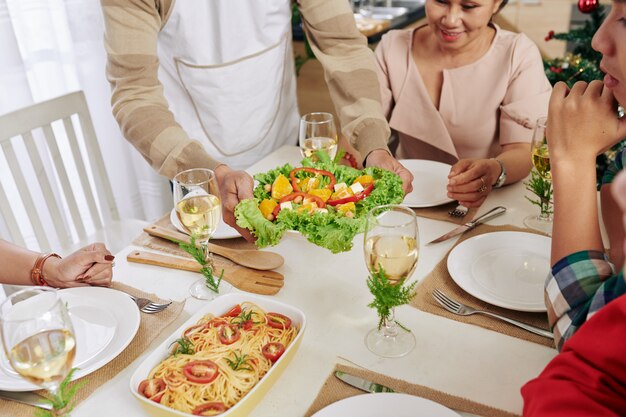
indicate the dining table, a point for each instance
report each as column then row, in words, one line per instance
column 450, row 356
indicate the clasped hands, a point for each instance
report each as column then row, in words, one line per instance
column 471, row 180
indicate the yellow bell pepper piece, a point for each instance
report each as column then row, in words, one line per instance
column 281, row 187
column 267, row 208
column 323, row 193
column 365, row 180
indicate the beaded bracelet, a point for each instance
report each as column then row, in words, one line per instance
column 36, row 274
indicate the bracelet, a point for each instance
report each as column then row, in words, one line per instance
column 36, row 274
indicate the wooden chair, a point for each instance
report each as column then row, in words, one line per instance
column 46, row 147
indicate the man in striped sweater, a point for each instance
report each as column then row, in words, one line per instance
column 211, row 83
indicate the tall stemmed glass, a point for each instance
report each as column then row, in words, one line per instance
column 540, row 157
column 199, row 210
column 37, row 336
column 391, row 245
column 317, row 132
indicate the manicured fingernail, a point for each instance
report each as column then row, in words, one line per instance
column 109, row 257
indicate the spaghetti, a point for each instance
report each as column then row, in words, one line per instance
column 226, row 356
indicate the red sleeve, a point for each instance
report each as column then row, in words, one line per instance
column 588, row 378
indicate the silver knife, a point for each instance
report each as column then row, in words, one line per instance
column 362, row 384
column 28, row 398
column 495, row 212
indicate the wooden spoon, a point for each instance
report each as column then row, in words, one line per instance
column 251, row 280
column 246, row 257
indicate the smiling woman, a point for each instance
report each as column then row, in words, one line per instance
column 460, row 90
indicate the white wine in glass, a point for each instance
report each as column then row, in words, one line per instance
column 317, row 132
column 199, row 210
column 540, row 157
column 38, row 336
column 391, row 245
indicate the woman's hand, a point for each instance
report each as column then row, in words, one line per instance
column 234, row 187
column 382, row 159
column 91, row 265
column 470, row 180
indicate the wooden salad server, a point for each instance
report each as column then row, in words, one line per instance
column 250, row 258
column 246, row 279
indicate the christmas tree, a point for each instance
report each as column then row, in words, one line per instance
column 582, row 64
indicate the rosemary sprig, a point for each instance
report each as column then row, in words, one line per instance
column 243, row 317
column 184, row 346
column 62, row 402
column 387, row 295
column 207, row 269
column 238, row 364
column 542, row 188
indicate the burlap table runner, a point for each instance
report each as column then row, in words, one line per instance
column 151, row 325
column 440, row 278
column 441, row 213
column 334, row 390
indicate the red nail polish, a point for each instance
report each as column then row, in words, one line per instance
column 109, row 257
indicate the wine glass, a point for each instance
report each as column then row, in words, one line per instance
column 392, row 245
column 540, row 157
column 317, row 132
column 199, row 210
column 37, row 336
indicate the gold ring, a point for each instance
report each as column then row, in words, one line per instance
column 483, row 187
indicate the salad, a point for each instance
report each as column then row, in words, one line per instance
column 324, row 201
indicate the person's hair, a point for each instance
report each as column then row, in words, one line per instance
column 504, row 2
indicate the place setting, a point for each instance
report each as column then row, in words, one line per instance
column 97, row 331
column 496, row 270
column 429, row 197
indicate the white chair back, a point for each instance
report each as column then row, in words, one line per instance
column 58, row 191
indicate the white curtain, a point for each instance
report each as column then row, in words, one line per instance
column 52, row 47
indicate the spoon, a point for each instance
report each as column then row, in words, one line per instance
column 250, row 258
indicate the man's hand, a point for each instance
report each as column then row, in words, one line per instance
column 234, row 187
column 382, row 159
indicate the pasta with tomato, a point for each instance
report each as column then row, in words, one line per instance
column 219, row 360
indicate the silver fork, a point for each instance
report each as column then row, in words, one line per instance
column 459, row 211
column 148, row 306
column 461, row 309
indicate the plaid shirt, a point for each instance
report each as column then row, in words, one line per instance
column 582, row 283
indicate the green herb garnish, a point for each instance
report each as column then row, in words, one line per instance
column 185, row 346
column 207, row 269
column 238, row 364
column 542, row 188
column 243, row 317
column 62, row 401
column 387, row 295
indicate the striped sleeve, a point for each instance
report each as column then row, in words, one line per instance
column 139, row 106
column 579, row 285
column 349, row 70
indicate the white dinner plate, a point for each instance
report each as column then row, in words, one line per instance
column 385, row 404
column 430, row 179
column 223, row 230
column 506, row 269
column 105, row 322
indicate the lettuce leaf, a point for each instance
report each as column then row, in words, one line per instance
column 333, row 231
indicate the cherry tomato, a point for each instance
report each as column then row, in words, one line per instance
column 273, row 351
column 202, row 372
column 153, row 389
column 233, row 312
column 228, row 334
column 209, row 409
column 194, row 329
column 278, row 321
column 247, row 325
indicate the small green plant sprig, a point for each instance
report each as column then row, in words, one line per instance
column 239, row 363
column 183, row 346
column 387, row 295
column 62, row 401
column 207, row 269
column 542, row 188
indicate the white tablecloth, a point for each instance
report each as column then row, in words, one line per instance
column 457, row 358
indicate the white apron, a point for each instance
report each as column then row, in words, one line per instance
column 228, row 75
